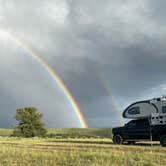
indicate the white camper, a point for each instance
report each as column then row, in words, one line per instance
column 144, row 109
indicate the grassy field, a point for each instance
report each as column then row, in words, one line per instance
column 77, row 147
column 69, row 133
column 80, row 133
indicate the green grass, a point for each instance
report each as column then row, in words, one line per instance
column 5, row 132
column 80, row 133
column 69, row 133
column 91, row 147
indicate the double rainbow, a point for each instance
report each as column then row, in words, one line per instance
column 51, row 72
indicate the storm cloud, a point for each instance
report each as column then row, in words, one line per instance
column 108, row 53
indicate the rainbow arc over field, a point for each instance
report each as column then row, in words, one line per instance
column 51, row 72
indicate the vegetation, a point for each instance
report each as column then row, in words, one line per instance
column 77, row 152
column 30, row 124
column 92, row 147
column 79, row 133
column 69, row 133
column 6, row 132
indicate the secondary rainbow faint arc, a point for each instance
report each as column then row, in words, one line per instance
column 53, row 74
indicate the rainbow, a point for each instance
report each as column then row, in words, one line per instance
column 52, row 73
column 107, row 88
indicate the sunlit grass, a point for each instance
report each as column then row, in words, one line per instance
column 83, row 151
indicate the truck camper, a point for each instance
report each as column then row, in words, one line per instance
column 144, row 109
column 148, row 122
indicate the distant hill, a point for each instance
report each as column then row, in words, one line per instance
column 70, row 133
column 80, row 133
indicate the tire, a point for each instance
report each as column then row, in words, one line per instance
column 163, row 140
column 117, row 139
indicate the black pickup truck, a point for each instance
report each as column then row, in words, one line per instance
column 138, row 130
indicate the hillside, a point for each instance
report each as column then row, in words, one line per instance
column 70, row 133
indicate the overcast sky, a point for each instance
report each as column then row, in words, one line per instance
column 108, row 53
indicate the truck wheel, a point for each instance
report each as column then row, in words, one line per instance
column 117, row 139
column 163, row 140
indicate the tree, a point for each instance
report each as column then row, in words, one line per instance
column 29, row 123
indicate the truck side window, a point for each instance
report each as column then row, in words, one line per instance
column 142, row 124
column 163, row 109
column 131, row 125
column 134, row 111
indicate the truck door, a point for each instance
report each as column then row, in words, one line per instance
column 129, row 132
column 137, row 129
column 142, row 129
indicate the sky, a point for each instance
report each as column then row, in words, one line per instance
column 108, row 53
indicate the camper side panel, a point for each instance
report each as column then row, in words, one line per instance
column 139, row 110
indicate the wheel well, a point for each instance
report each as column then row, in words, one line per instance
column 163, row 140
column 117, row 134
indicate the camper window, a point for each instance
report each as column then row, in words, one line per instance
column 134, row 110
column 164, row 109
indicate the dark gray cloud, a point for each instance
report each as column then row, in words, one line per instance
column 109, row 54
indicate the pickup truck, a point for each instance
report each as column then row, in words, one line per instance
column 138, row 130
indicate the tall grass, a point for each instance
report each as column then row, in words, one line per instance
column 36, row 152
column 76, row 147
